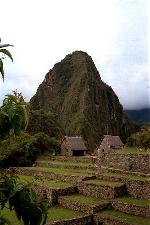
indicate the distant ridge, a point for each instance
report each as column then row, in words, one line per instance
column 139, row 116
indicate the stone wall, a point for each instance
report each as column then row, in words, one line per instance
column 73, row 178
column 132, row 209
column 105, row 192
column 135, row 188
column 77, row 206
column 83, row 220
column 106, row 220
column 139, row 189
column 58, row 165
column 135, row 163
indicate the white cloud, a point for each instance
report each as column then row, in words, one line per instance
column 113, row 32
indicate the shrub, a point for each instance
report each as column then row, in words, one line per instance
column 24, row 149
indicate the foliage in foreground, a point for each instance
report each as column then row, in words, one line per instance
column 4, row 52
column 24, row 149
column 13, row 115
column 141, row 139
column 23, row 200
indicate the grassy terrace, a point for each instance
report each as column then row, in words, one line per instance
column 58, row 213
column 126, row 176
column 62, row 171
column 104, row 183
column 134, row 201
column 67, row 163
column 50, row 183
column 125, row 217
column 131, row 151
column 54, row 213
column 85, row 200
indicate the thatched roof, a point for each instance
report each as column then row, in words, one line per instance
column 76, row 143
column 113, row 141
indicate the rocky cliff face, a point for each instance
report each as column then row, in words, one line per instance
column 74, row 92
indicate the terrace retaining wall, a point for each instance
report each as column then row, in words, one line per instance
column 75, row 179
column 106, row 220
column 58, row 165
column 132, row 209
column 98, row 191
column 135, row 163
column 84, row 220
column 135, row 188
column 77, row 206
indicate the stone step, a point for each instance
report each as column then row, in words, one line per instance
column 82, row 203
column 118, row 176
column 63, row 164
column 60, row 216
column 121, row 171
column 135, row 206
column 114, row 217
column 102, row 189
column 49, row 189
column 74, row 176
column 137, row 186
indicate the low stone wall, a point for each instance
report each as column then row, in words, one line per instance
column 106, row 220
column 105, row 192
column 72, row 158
column 135, row 188
column 138, row 189
column 135, row 163
column 77, row 206
column 49, row 175
column 47, row 193
column 52, row 194
column 132, row 209
column 58, row 165
column 84, row 220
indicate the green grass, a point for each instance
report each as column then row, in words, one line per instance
column 11, row 216
column 126, row 217
column 61, row 171
column 104, row 183
column 134, row 201
column 126, row 176
column 58, row 213
column 131, row 151
column 67, row 163
column 85, row 200
column 50, row 183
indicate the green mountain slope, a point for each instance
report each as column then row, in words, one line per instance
column 74, row 92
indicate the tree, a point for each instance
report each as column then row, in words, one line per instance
column 13, row 115
column 22, row 199
column 141, row 139
column 4, row 52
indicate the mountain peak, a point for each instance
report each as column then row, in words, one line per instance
column 74, row 92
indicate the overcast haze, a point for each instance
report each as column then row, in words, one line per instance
column 113, row 32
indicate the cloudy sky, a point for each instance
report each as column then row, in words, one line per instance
column 113, row 32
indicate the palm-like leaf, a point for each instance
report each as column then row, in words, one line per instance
column 5, row 52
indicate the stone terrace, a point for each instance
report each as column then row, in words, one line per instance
column 82, row 192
